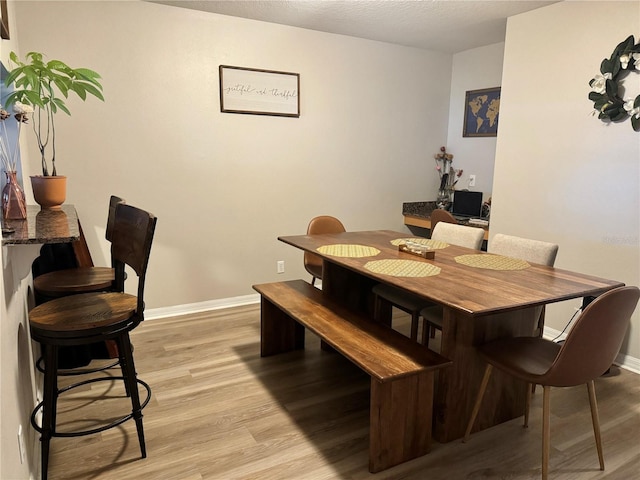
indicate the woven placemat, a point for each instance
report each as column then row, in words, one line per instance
column 432, row 244
column 402, row 268
column 492, row 262
column 348, row 250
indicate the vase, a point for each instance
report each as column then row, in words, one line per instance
column 443, row 200
column 49, row 192
column 14, row 204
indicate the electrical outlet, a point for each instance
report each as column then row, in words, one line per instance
column 472, row 180
column 280, row 266
column 21, row 446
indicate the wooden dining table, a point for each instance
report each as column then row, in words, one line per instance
column 483, row 296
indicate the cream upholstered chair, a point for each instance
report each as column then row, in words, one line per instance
column 589, row 349
column 469, row 237
column 317, row 225
column 462, row 236
column 533, row 251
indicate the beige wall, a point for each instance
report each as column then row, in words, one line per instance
column 224, row 186
column 17, row 384
column 472, row 70
column 561, row 174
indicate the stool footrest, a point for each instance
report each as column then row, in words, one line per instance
column 80, row 433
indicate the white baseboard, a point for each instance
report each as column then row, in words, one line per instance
column 176, row 310
column 624, row 361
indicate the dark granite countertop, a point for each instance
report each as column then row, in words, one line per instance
column 43, row 226
column 418, row 209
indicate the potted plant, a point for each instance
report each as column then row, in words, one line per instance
column 44, row 86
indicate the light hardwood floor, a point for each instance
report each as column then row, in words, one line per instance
column 219, row 411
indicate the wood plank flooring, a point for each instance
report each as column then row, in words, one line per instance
column 219, row 411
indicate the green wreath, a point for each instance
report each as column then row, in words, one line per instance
column 606, row 86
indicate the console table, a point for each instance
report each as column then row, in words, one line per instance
column 417, row 214
column 43, row 226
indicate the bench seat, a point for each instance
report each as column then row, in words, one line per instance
column 401, row 370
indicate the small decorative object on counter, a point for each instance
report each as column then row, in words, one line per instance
column 14, row 205
column 486, row 209
column 449, row 176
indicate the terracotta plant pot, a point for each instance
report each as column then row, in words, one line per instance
column 49, row 192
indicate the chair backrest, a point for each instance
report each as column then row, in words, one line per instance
column 111, row 217
column 595, row 339
column 133, row 231
column 440, row 215
column 470, row 237
column 317, row 225
column 533, row 251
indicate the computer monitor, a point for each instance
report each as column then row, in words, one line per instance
column 467, row 204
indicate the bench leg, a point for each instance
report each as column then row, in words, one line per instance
column 400, row 423
column 279, row 333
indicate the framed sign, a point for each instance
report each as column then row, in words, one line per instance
column 481, row 113
column 259, row 92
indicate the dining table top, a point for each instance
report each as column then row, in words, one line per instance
column 470, row 281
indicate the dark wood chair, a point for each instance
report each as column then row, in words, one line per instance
column 88, row 318
column 81, row 279
column 68, row 269
column 440, row 215
column 588, row 351
column 317, row 225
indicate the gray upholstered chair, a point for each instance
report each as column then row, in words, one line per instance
column 533, row 251
column 589, row 349
column 317, row 225
column 462, row 236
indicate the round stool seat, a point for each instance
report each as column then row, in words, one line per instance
column 74, row 280
column 81, row 317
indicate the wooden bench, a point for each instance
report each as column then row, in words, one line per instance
column 401, row 370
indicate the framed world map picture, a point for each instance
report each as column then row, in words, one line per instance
column 481, row 113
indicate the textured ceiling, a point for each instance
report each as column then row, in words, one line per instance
column 449, row 26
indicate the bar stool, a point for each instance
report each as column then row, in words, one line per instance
column 84, row 278
column 94, row 317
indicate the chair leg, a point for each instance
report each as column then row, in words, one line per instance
column 123, row 360
column 595, row 419
column 425, row 333
column 49, row 406
column 546, row 431
column 476, row 407
column 129, row 373
column 415, row 320
column 527, row 405
column 313, row 281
